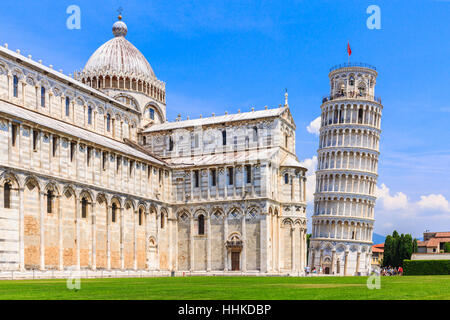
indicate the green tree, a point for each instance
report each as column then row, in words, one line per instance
column 398, row 248
column 395, row 248
column 415, row 246
column 308, row 236
column 447, row 247
column 387, row 256
column 405, row 248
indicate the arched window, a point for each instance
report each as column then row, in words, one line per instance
column 224, row 137
column 255, row 134
column 162, row 220
column 84, row 208
column 35, row 140
column 170, row 144
column 360, row 115
column 248, row 173
column 342, row 89
column 16, row 86
column 43, row 97
column 352, row 81
column 362, row 90
column 67, row 106
column 196, row 179
column 140, row 217
column 201, row 224
column 108, row 122
column 213, row 177
column 7, row 195
column 13, row 134
column 89, row 115
column 230, row 176
column 113, row 212
column 196, row 141
column 151, row 113
column 286, row 178
column 49, row 201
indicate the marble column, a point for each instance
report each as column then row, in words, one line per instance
column 278, row 244
column 94, row 237
column 77, row 230
column 191, row 244
column 135, row 224
column 60, row 233
column 333, row 259
column 208, row 242
column 21, row 231
column 108, row 238
column 293, row 248
column 122, row 232
column 357, row 262
column 244, row 244
column 345, row 263
column 42, row 231
column 225, row 235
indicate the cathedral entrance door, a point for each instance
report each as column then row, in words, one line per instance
column 235, row 256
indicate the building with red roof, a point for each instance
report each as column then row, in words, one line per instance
column 433, row 242
column 377, row 254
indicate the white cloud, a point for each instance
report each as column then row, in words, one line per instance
column 314, row 126
column 395, row 202
column 434, row 202
column 430, row 212
column 310, row 164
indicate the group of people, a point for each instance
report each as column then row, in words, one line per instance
column 308, row 270
column 385, row 271
column 391, row 271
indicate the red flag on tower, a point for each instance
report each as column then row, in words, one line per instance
column 349, row 50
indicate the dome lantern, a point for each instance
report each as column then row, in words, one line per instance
column 120, row 29
column 118, row 64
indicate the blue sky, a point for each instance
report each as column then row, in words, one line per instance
column 218, row 56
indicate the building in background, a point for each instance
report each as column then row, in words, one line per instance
column 346, row 176
column 377, row 255
column 93, row 176
column 433, row 242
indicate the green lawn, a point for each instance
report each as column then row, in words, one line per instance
column 279, row 288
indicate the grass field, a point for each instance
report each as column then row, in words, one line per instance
column 204, row 288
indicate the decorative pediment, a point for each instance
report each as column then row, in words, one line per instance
column 288, row 117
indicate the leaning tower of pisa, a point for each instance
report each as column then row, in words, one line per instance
column 346, row 175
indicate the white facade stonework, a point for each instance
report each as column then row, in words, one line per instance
column 93, row 176
column 346, row 176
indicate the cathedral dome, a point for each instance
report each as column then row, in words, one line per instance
column 119, row 58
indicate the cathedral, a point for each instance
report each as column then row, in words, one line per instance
column 94, row 177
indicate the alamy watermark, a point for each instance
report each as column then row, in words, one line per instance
column 374, row 281
column 74, row 20
column 74, row 280
column 374, row 20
